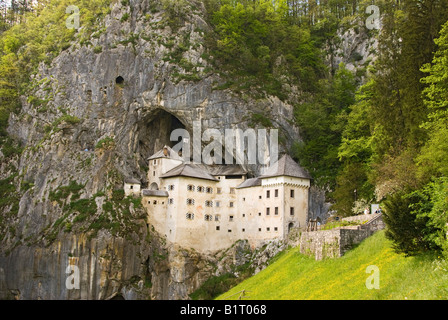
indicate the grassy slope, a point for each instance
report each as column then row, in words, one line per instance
column 295, row 276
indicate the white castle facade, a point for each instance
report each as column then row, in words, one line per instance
column 208, row 208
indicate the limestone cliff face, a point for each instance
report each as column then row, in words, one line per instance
column 118, row 95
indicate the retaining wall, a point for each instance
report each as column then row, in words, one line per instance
column 335, row 242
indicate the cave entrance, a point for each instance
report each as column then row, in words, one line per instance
column 155, row 131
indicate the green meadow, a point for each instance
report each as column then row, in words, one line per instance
column 293, row 275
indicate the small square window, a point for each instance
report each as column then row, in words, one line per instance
column 268, row 229
column 275, row 229
column 217, row 228
column 259, row 229
column 244, row 230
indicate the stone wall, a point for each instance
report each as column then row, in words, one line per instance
column 336, row 242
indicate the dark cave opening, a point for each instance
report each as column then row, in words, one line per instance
column 119, row 80
column 154, row 133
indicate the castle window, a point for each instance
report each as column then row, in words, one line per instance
column 268, row 229
column 190, row 187
column 170, row 201
column 232, row 190
column 259, row 214
column 259, row 229
column 209, row 190
column 276, row 211
column 190, row 202
column 276, row 193
column 208, row 203
column 208, row 217
column 155, row 162
column 229, row 230
column 244, row 230
column 268, row 193
column 131, row 187
column 230, row 218
column 217, row 217
column 244, row 215
column 268, row 211
column 189, row 216
column 171, row 187
column 154, row 173
column 218, row 190
column 292, row 193
column 231, row 204
column 291, row 211
column 200, row 189
column 217, row 204
column 244, row 199
column 155, row 202
column 275, row 229
column 259, row 197
column 217, row 228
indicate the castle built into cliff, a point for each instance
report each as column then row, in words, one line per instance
column 209, row 207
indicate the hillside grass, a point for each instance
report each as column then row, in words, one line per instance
column 295, row 276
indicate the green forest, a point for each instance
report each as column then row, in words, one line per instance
column 375, row 135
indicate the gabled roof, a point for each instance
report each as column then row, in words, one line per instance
column 191, row 170
column 286, row 166
column 226, row 170
column 171, row 154
column 132, row 181
column 253, row 182
column 154, row 193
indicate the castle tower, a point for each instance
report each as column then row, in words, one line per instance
column 286, row 189
column 160, row 163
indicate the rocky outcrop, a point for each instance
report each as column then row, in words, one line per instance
column 104, row 106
